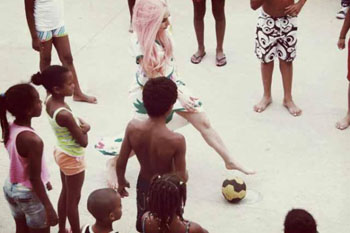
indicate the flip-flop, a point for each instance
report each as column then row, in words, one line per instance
column 221, row 61
column 197, row 59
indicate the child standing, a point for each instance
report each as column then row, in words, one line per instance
column 276, row 38
column 166, row 201
column 71, row 133
column 24, row 188
column 45, row 20
column 345, row 122
column 106, row 207
column 158, row 149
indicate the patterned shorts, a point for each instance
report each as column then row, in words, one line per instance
column 276, row 37
column 47, row 35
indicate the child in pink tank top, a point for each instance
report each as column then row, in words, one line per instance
column 24, row 189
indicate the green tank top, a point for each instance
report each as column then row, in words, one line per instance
column 65, row 141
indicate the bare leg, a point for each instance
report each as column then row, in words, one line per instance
column 61, row 207
column 74, row 185
column 218, row 9
column 45, row 54
column 63, row 49
column 21, row 225
column 198, row 21
column 131, row 4
column 287, row 77
column 266, row 73
column 201, row 122
column 43, row 230
column 345, row 122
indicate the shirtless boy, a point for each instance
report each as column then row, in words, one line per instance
column 158, row 149
column 276, row 37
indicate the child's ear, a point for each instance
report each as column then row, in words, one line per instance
column 112, row 217
column 55, row 90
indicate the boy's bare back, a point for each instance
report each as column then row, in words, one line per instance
column 158, row 149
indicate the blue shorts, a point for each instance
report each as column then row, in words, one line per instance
column 47, row 35
column 25, row 204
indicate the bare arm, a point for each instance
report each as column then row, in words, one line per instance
column 346, row 26
column 31, row 146
column 65, row 119
column 180, row 159
column 255, row 4
column 294, row 9
column 29, row 8
column 122, row 162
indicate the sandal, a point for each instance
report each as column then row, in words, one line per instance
column 221, row 61
column 197, row 59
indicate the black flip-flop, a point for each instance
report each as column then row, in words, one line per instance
column 198, row 59
column 221, row 62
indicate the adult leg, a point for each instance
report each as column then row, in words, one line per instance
column 45, row 54
column 218, row 8
column 64, row 52
column 287, row 77
column 74, row 185
column 198, row 21
column 21, row 225
column 266, row 74
column 201, row 122
column 131, row 4
column 61, row 206
column 345, row 122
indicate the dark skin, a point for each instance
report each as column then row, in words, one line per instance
column 158, row 150
column 71, row 185
column 176, row 226
column 30, row 146
column 345, row 122
column 63, row 50
column 278, row 8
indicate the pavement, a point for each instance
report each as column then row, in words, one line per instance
column 301, row 162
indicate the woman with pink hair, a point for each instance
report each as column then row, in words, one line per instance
column 154, row 56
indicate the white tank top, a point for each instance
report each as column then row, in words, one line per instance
column 48, row 14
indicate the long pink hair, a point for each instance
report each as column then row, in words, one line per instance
column 147, row 19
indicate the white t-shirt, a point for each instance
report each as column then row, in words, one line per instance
column 48, row 14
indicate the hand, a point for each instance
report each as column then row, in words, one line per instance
column 51, row 216
column 48, row 186
column 294, row 9
column 122, row 188
column 188, row 102
column 36, row 44
column 341, row 43
column 85, row 127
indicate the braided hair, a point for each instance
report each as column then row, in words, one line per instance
column 18, row 100
column 166, row 199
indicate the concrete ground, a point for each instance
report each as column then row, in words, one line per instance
column 301, row 162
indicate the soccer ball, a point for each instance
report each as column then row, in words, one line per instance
column 234, row 189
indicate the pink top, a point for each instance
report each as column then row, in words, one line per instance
column 19, row 165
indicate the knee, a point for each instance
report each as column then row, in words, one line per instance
column 218, row 13
column 199, row 12
column 205, row 124
column 67, row 59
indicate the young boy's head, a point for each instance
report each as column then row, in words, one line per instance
column 299, row 221
column 159, row 95
column 105, row 205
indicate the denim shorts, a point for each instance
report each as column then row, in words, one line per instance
column 25, row 204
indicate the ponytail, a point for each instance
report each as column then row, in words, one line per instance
column 3, row 119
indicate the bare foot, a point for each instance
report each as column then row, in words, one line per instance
column 112, row 180
column 234, row 166
column 85, row 98
column 263, row 104
column 292, row 108
column 343, row 123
